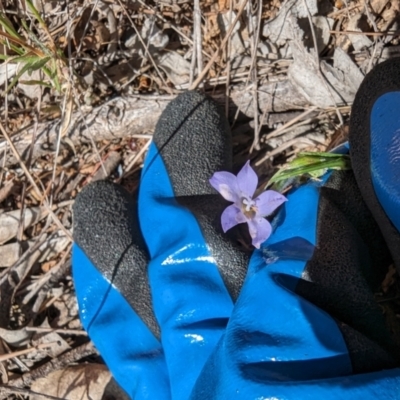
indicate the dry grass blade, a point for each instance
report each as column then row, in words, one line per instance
column 33, row 183
column 217, row 52
column 23, row 44
column 176, row 29
column 253, row 72
column 318, row 64
column 62, row 331
column 378, row 34
column 5, row 357
column 197, row 35
column 67, row 112
column 146, row 48
column 135, row 159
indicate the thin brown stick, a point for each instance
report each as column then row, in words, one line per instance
column 145, row 47
column 197, row 34
column 60, row 362
column 387, row 33
column 8, row 356
column 276, row 132
column 228, row 63
column 133, row 162
column 61, row 331
column 254, row 72
column 216, row 54
column 33, row 183
column 176, row 29
column 318, row 64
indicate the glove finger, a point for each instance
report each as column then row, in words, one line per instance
column 376, row 385
column 192, row 264
column 375, row 148
column 110, row 276
column 276, row 335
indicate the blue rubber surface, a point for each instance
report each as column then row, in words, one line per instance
column 129, row 349
column 272, row 344
column 190, row 300
column 385, row 154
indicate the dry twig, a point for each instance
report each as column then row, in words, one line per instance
column 222, row 46
column 33, row 183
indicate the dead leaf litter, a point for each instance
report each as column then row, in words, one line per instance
column 83, row 86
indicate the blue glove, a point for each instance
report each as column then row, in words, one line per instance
column 162, row 294
column 375, row 148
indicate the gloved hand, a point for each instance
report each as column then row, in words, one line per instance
column 178, row 310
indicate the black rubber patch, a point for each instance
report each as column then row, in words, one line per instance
column 349, row 262
column 194, row 139
column 385, row 77
column 106, row 228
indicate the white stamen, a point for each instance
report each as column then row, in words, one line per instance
column 249, row 203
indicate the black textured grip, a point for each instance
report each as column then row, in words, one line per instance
column 383, row 78
column 349, row 263
column 195, row 141
column 106, row 228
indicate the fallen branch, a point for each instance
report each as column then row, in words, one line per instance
column 137, row 115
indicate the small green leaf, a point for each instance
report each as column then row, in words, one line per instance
column 27, row 67
column 312, row 164
column 35, row 12
column 57, row 83
column 33, row 82
column 320, row 154
column 39, row 64
column 6, row 24
column 26, row 59
column 16, row 49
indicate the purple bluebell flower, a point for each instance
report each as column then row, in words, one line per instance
column 240, row 190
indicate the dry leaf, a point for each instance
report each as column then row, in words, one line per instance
column 9, row 222
column 48, row 265
column 7, row 71
column 359, row 42
column 152, row 35
column 57, row 345
column 212, row 27
column 81, row 26
column 32, row 91
column 110, row 164
column 83, row 382
column 333, row 86
column 280, row 28
column 16, row 338
column 176, row 67
column 378, row 5
column 6, row 190
column 9, row 254
column 225, row 21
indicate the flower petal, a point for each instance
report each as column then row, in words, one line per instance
column 260, row 230
column 247, row 180
column 231, row 217
column 268, row 201
column 226, row 184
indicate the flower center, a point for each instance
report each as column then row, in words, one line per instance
column 249, row 208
